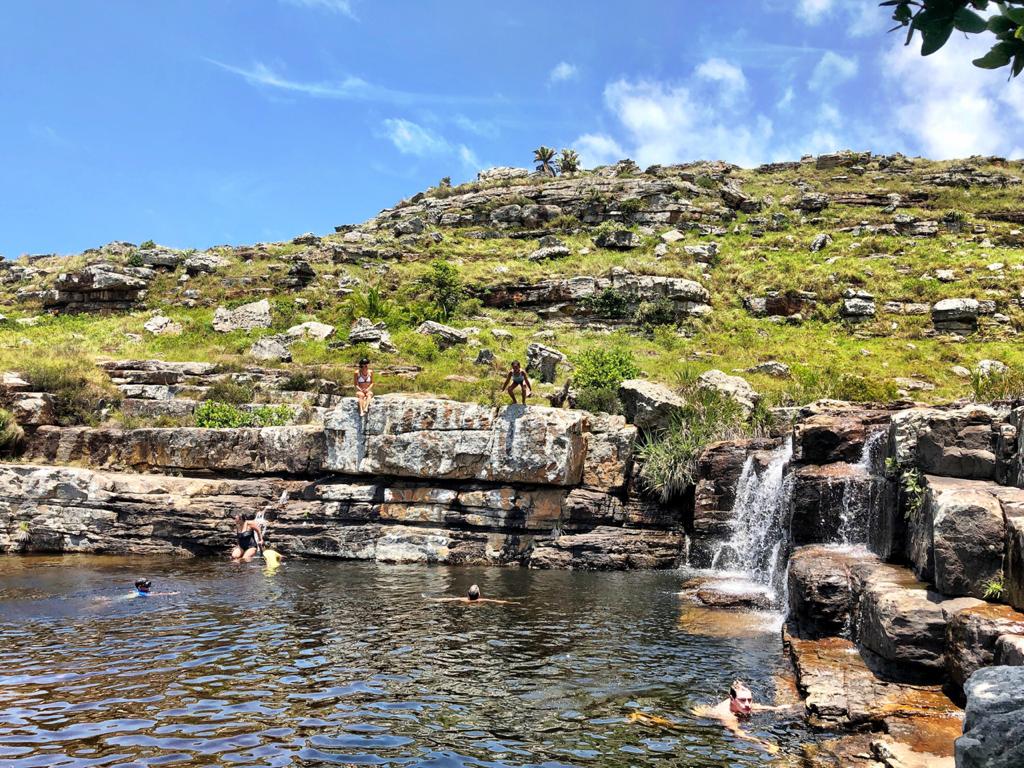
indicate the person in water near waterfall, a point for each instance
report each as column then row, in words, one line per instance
column 473, row 597
column 144, row 588
column 363, row 379
column 517, row 379
column 249, row 538
column 740, row 704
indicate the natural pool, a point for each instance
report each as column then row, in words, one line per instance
column 325, row 662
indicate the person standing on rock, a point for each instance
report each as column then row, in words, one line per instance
column 249, row 539
column 363, row 379
column 517, row 379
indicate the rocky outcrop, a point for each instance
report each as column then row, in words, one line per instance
column 734, row 388
column 958, row 316
column 828, row 497
column 972, row 636
column 99, row 288
column 450, row 440
column 247, row 317
column 958, row 442
column 824, row 587
column 266, row 451
column 574, row 297
column 836, row 435
column 649, row 405
column 993, row 735
column 719, row 468
column 967, row 537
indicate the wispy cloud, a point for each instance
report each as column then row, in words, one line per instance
column 830, row 71
column 726, row 75
column 563, row 71
column 350, row 88
column 411, row 138
column 856, row 17
column 343, row 7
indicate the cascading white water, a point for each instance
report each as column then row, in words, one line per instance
column 757, row 544
column 859, row 502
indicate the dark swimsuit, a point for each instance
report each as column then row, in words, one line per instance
column 518, row 378
column 246, row 540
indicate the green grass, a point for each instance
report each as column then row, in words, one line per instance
column 828, row 357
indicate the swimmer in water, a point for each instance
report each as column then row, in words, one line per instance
column 473, row 596
column 740, row 704
column 144, row 587
column 249, row 539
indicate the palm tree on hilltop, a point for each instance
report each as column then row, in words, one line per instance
column 569, row 162
column 543, row 156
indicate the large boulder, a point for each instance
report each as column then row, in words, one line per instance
column 832, row 503
column 444, row 439
column 271, row 348
column 959, row 316
column 957, row 442
column 719, row 467
column 835, row 436
column 649, row 405
column 444, row 335
column 1014, row 574
column 734, row 388
column 374, row 335
column 543, row 361
column 247, row 317
column 972, row 635
column 967, row 537
column 903, row 624
column 270, row 450
column 993, row 720
column 610, row 548
column 824, row 586
column 619, row 239
column 99, row 287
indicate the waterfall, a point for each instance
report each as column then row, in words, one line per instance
column 859, row 502
column 758, row 542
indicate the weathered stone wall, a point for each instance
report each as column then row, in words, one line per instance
column 415, row 480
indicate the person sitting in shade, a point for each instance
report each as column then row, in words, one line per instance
column 517, row 379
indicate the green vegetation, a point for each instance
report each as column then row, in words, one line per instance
column 543, row 156
column 669, row 459
column 597, row 376
column 444, row 288
column 11, row 435
column 80, row 391
column 936, row 20
column 230, row 392
column 147, row 245
column 994, row 588
column 913, row 492
column 214, row 415
column 568, row 161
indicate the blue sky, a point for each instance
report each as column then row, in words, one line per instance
column 202, row 122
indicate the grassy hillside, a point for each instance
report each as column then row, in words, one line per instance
column 759, row 251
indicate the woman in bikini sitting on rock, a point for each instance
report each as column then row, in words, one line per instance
column 363, row 379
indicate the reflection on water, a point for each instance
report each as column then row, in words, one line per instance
column 348, row 663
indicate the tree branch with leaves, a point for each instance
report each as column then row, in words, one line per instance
column 936, row 20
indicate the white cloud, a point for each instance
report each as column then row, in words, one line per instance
column 831, row 70
column 950, row 108
column 813, row 11
column 666, row 124
column 350, row 88
column 344, row 7
column 855, row 17
column 411, row 138
column 598, row 149
column 563, row 71
column 787, row 99
column 486, row 128
column 725, row 74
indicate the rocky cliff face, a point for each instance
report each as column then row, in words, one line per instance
column 415, row 480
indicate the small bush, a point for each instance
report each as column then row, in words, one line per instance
column 669, row 459
column 1008, row 385
column 444, row 287
column 135, row 259
column 994, row 588
column 604, row 368
column 599, row 400
column 649, row 314
column 79, row 393
column 631, row 207
column 298, row 381
column 215, row 415
column 608, row 303
column 11, row 435
column 147, row 245
column 230, row 391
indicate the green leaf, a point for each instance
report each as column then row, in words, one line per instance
column 1000, row 25
column 999, row 56
column 968, row 21
column 1018, row 64
column 934, row 37
column 1015, row 15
